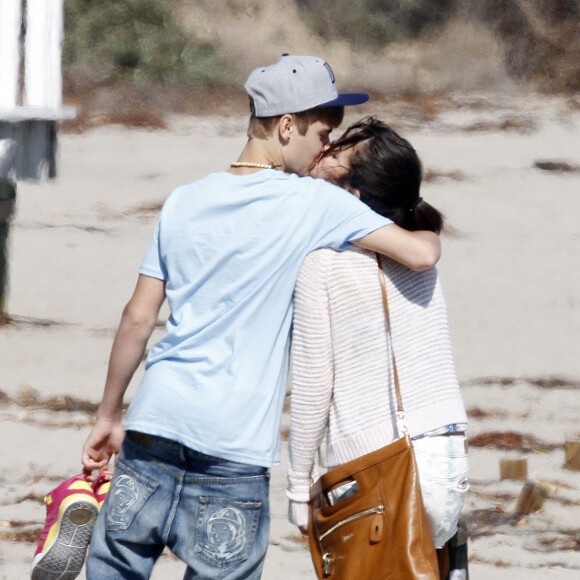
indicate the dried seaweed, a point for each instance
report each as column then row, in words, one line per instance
column 569, row 543
column 29, row 399
column 484, row 522
column 478, row 413
column 521, row 125
column 555, row 166
column 19, row 531
column 513, row 441
column 554, row 382
column 432, row 175
column 26, row 321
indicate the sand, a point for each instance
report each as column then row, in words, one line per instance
column 510, row 270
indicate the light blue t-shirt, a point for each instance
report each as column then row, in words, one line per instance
column 230, row 248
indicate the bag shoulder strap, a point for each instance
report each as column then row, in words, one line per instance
column 400, row 408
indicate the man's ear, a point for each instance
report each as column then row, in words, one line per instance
column 285, row 126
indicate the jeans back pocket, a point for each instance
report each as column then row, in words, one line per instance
column 126, row 497
column 226, row 529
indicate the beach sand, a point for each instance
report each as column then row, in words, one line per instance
column 510, row 270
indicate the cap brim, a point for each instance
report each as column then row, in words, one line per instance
column 345, row 100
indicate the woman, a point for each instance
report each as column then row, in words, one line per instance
column 343, row 401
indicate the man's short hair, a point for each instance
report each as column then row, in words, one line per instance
column 262, row 127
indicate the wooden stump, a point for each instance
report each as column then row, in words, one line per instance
column 513, row 468
column 531, row 498
column 572, row 449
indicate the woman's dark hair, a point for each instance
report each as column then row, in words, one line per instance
column 387, row 172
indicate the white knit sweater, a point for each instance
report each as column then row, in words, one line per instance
column 343, row 398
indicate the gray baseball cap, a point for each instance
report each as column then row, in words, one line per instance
column 295, row 84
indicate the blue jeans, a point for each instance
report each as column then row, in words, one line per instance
column 212, row 513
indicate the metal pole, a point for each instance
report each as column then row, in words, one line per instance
column 7, row 202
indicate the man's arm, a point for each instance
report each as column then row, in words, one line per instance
column 137, row 323
column 416, row 250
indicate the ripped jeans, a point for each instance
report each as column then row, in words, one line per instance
column 444, row 477
column 212, row 513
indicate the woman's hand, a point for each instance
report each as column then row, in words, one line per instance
column 298, row 514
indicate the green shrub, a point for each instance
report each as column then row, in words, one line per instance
column 373, row 23
column 138, row 40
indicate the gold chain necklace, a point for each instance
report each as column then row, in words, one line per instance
column 254, row 165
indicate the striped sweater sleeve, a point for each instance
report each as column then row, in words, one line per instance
column 312, row 372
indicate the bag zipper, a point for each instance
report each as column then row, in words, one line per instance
column 326, row 562
column 379, row 509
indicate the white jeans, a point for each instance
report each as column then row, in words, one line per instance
column 443, row 473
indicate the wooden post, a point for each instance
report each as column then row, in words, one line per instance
column 513, row 468
column 572, row 449
column 44, row 33
column 531, row 498
column 43, row 84
column 10, row 19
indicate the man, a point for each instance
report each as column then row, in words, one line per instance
column 203, row 427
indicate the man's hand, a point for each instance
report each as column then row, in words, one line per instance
column 103, row 442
